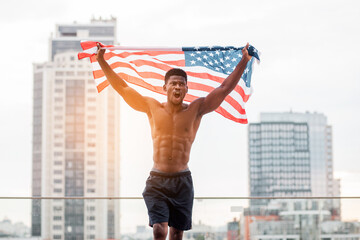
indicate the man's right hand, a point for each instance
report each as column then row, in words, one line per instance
column 100, row 52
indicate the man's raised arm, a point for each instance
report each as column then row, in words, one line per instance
column 212, row 101
column 131, row 97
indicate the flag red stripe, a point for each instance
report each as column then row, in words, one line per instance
column 84, row 55
column 87, row 45
column 179, row 63
column 220, row 110
column 152, row 75
column 192, row 85
column 226, row 114
column 138, row 63
column 237, row 88
column 140, row 82
column 99, row 73
column 102, row 85
column 109, row 55
column 235, row 104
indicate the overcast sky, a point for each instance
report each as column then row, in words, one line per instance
column 310, row 62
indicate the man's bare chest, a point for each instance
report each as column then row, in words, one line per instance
column 179, row 123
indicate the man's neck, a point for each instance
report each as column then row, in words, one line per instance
column 172, row 108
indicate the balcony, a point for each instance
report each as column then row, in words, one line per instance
column 213, row 218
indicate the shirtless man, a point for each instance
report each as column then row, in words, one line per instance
column 169, row 190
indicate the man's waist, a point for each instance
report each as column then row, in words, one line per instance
column 157, row 172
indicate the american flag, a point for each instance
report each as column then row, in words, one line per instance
column 206, row 68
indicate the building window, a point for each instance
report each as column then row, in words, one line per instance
column 91, row 117
column 56, row 154
column 57, row 208
column 57, row 163
column 91, row 154
column 57, row 227
column 92, row 135
column 57, row 190
column 90, row 227
column 91, row 181
column 57, row 218
column 57, row 144
column 57, row 171
column 91, row 108
column 91, row 162
column 91, row 208
column 58, row 136
column 57, row 180
column 57, row 236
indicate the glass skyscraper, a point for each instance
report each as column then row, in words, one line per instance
column 290, row 154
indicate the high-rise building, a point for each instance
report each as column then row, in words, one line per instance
column 290, row 154
column 75, row 141
column 68, row 36
column 279, row 160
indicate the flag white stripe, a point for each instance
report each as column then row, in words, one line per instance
column 200, row 93
column 91, row 50
column 160, row 82
column 161, row 57
column 148, row 68
column 122, row 48
column 129, row 60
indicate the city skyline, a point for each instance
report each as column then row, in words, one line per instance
column 302, row 45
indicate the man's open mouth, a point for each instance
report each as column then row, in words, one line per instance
column 177, row 95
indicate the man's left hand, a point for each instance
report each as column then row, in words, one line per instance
column 245, row 53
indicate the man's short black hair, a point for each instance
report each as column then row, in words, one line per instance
column 176, row 72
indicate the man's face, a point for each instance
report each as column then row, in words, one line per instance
column 176, row 89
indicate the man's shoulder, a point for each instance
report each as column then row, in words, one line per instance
column 197, row 102
column 152, row 101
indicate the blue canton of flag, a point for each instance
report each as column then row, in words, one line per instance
column 220, row 59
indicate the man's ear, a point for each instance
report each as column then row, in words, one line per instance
column 164, row 87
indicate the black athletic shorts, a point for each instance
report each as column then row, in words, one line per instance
column 169, row 198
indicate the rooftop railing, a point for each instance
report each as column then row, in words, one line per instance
column 324, row 218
